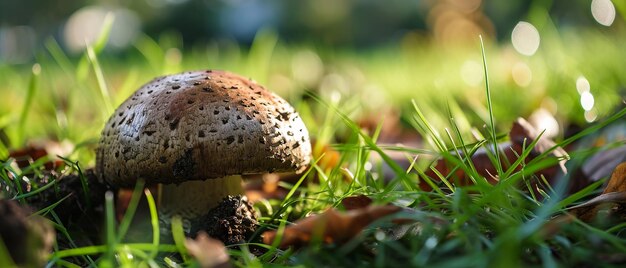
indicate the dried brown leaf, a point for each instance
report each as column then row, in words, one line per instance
column 522, row 134
column 331, row 226
column 617, row 183
column 266, row 187
column 612, row 201
column 207, row 251
column 356, row 202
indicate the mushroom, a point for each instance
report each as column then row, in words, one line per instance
column 196, row 133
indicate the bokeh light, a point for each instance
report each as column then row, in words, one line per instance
column 525, row 38
column 521, row 73
column 587, row 101
column 590, row 116
column 85, row 26
column 603, row 11
column 307, row 67
column 472, row 73
column 544, row 120
column 582, row 85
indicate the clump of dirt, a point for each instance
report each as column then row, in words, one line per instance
column 28, row 238
column 232, row 221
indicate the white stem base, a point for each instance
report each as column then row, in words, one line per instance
column 194, row 198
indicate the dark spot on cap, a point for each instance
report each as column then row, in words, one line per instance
column 175, row 87
column 149, row 132
column 201, row 134
column 184, row 166
column 174, row 123
column 230, row 139
column 162, row 159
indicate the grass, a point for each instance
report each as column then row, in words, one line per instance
column 67, row 98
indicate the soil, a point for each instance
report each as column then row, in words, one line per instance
column 232, row 221
column 81, row 213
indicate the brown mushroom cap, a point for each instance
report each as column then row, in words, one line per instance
column 200, row 125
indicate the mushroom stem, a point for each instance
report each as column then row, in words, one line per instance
column 194, row 198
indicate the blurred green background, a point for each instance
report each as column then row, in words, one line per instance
column 371, row 58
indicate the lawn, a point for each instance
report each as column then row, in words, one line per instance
column 410, row 127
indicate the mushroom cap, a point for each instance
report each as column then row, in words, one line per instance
column 200, row 125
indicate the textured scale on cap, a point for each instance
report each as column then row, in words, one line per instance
column 201, row 125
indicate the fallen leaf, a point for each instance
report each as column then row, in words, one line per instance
column 617, row 183
column 543, row 120
column 599, row 164
column 266, row 186
column 207, row 251
column 523, row 132
column 356, row 202
column 24, row 157
column 331, row 226
column 329, row 158
column 612, row 202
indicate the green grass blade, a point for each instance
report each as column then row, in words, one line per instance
column 130, row 211
column 59, row 56
column 179, row 237
column 492, row 126
column 49, row 208
column 36, row 191
column 355, row 128
column 154, row 221
column 5, row 258
column 110, row 228
column 105, row 31
column 28, row 102
column 102, row 86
